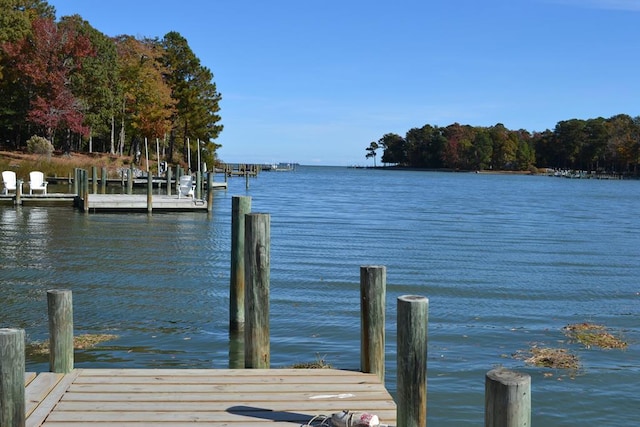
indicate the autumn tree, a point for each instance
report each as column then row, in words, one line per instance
column 456, row 151
column 595, row 147
column 97, row 83
column 16, row 17
column 147, row 106
column 48, row 60
column 624, row 140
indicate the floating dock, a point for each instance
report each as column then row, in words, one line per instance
column 204, row 397
column 139, row 202
column 113, row 202
column 52, row 199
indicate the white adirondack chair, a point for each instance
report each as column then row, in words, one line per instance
column 186, row 186
column 9, row 181
column 37, row 182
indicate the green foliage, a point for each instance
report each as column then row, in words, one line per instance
column 39, row 145
column 611, row 145
column 97, row 82
column 68, row 81
column 16, row 17
column 371, row 151
column 197, row 98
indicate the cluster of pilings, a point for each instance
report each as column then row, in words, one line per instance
column 507, row 393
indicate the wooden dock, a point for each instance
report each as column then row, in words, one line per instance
column 138, row 202
column 207, row 397
column 51, row 199
column 113, row 202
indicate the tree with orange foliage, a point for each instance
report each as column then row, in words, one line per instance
column 147, row 105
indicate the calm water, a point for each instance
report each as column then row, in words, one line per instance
column 506, row 262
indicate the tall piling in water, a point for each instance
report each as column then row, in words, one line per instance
column 412, row 361
column 257, row 260
column 60, row 309
column 373, row 289
column 240, row 206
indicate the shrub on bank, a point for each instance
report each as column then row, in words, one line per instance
column 40, row 145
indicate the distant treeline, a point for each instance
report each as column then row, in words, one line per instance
column 84, row 91
column 611, row 145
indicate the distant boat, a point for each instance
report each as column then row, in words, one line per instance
column 279, row 167
column 285, row 167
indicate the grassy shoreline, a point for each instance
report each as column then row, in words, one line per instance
column 59, row 164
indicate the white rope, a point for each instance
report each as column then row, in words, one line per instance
column 324, row 421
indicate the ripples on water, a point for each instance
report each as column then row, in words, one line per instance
column 506, row 262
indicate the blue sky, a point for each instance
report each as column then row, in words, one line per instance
column 314, row 82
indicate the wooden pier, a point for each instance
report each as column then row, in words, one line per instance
column 112, row 202
column 254, row 396
column 139, row 202
column 50, row 199
column 207, row 397
column 129, row 202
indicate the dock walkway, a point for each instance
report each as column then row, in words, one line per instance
column 207, row 397
column 138, row 202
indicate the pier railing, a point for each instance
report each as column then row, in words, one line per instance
column 507, row 393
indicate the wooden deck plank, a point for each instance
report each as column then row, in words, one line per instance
column 210, row 396
column 233, row 414
column 28, row 377
column 133, row 372
column 40, row 413
column 39, row 388
column 226, row 397
column 160, row 379
column 204, row 388
column 244, row 423
column 139, row 202
column 273, row 402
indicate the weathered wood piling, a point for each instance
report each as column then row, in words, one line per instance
column 257, row 273
column 412, row 360
column 85, row 191
column 198, row 185
column 60, row 309
column 209, row 192
column 12, row 365
column 18, row 192
column 104, row 176
column 94, row 180
column 240, row 206
column 169, row 177
column 149, row 193
column 507, row 393
column 507, row 399
column 373, row 292
column 130, row 180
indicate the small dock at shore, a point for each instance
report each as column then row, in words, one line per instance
column 208, row 397
column 140, row 203
column 111, row 202
column 198, row 198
